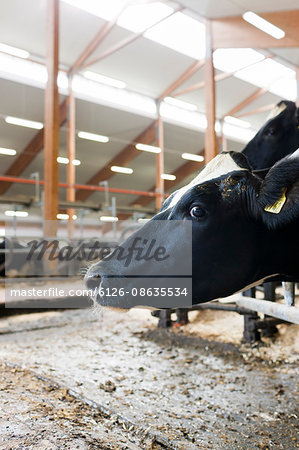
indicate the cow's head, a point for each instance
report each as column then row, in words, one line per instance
column 276, row 139
column 237, row 221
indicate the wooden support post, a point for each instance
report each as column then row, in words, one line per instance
column 51, row 135
column 211, row 145
column 160, row 164
column 297, row 79
column 71, row 154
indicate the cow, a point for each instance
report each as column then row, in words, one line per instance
column 242, row 229
column 277, row 138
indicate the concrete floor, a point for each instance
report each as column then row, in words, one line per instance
column 84, row 379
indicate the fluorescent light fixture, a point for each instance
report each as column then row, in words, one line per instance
column 108, row 219
column 190, row 40
column 148, row 148
column 193, row 157
column 232, row 59
column 104, row 80
column 180, row 103
column 139, row 17
column 142, row 220
column 63, row 160
column 118, row 169
column 93, row 137
column 61, row 216
column 262, row 24
column 24, row 123
column 7, row 151
column 237, row 122
column 168, row 176
column 16, row 213
column 14, row 51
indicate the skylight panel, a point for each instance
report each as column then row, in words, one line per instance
column 265, row 73
column 138, row 18
column 285, row 88
column 232, row 59
column 106, row 10
column 181, row 33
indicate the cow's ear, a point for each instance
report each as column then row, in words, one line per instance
column 278, row 197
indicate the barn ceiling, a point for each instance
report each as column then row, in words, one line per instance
column 146, row 66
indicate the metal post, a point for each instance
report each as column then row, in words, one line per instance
column 250, row 333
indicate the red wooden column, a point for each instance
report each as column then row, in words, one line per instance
column 51, row 135
column 71, row 154
column 211, row 144
column 160, row 163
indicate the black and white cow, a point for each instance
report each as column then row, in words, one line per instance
column 277, row 138
column 242, row 230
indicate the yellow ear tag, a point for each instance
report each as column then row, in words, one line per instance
column 277, row 206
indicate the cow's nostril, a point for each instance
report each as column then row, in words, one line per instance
column 93, row 281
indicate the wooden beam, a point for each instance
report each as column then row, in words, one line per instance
column 211, row 144
column 184, row 77
column 257, row 110
column 71, row 154
column 51, row 133
column 255, row 95
column 121, row 159
column 160, row 164
column 234, row 32
column 181, row 173
column 32, row 149
column 92, row 46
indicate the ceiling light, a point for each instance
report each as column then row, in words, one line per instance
column 105, row 80
column 62, row 160
column 142, row 220
column 16, row 213
column 24, row 123
column 238, row 134
column 192, row 157
column 179, row 116
column 93, row 137
column 108, row 219
column 148, row 148
column 180, row 103
column 139, row 17
column 7, row 151
column 168, row 176
column 264, row 25
column 14, row 51
column 62, row 216
column 118, row 169
column 237, row 122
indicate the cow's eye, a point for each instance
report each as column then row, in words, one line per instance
column 270, row 131
column 197, row 212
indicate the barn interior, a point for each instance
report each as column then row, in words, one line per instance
column 107, row 107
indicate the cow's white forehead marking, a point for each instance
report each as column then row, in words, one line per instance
column 276, row 110
column 220, row 165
